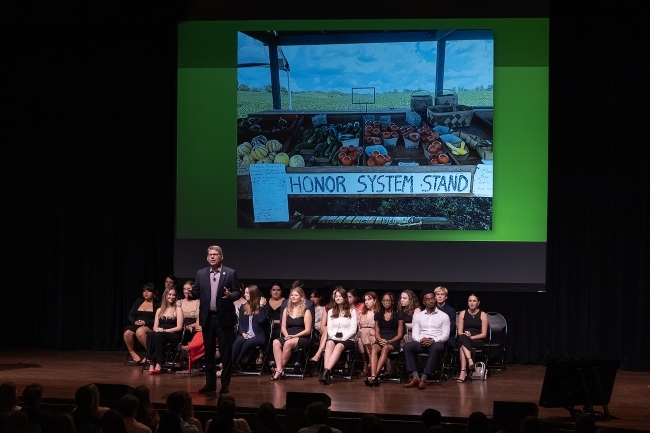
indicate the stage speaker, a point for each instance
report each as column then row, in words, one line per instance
column 513, row 410
column 112, row 392
column 299, row 401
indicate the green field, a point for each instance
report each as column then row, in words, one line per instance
column 254, row 102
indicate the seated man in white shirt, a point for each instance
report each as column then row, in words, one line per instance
column 429, row 334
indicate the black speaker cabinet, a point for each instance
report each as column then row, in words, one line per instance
column 299, row 401
column 513, row 410
column 112, row 392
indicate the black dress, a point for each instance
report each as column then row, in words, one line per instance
column 473, row 324
column 276, row 314
column 156, row 340
column 388, row 328
column 295, row 326
column 135, row 315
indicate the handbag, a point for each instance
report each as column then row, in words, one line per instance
column 480, row 371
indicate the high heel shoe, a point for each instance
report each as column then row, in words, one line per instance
column 471, row 368
column 321, row 377
column 459, row 380
column 375, row 381
column 328, row 379
column 366, row 381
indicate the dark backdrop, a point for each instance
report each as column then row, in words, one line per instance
column 88, row 171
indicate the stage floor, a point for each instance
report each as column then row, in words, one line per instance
column 62, row 372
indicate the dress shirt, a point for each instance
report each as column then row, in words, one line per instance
column 214, row 287
column 431, row 325
column 346, row 325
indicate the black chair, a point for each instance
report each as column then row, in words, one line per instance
column 346, row 365
column 498, row 335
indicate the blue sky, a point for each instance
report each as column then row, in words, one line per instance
column 407, row 65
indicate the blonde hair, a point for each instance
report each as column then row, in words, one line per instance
column 439, row 289
column 299, row 310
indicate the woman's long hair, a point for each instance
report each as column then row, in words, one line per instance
column 413, row 303
column 377, row 306
column 297, row 310
column 165, row 305
column 345, row 307
column 252, row 306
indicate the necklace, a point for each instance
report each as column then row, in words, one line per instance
column 473, row 315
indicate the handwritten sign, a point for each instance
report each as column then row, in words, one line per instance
column 482, row 186
column 270, row 202
column 392, row 183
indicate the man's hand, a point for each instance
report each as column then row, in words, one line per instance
column 245, row 335
column 426, row 341
column 227, row 294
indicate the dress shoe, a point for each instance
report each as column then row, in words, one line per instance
column 328, row 379
column 207, row 389
column 413, row 383
column 224, row 391
column 422, row 384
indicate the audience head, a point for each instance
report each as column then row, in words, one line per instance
column 436, row 429
column 112, row 422
column 171, row 282
column 441, row 293
column 141, row 392
column 276, row 291
column 324, row 429
column 370, row 303
column 188, row 410
column 317, row 413
column 226, row 410
column 96, row 397
column 169, row 423
column 8, row 396
column 531, row 424
column 478, row 423
column 188, row 287
column 605, row 430
column 128, row 406
column 408, row 302
column 64, row 423
column 314, row 296
column 377, row 427
column 84, row 398
column 354, row 297
column 149, row 291
column 366, row 420
column 430, row 418
column 176, row 402
column 32, row 395
column 585, row 423
column 267, row 414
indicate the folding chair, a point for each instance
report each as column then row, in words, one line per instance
column 266, row 348
column 299, row 362
column 498, row 336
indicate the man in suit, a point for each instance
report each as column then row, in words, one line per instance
column 217, row 288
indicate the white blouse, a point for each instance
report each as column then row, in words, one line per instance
column 346, row 325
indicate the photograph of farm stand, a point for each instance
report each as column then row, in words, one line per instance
column 365, row 129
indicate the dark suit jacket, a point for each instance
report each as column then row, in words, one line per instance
column 260, row 324
column 452, row 322
column 226, row 315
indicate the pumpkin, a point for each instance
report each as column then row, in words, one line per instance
column 297, row 161
column 260, row 140
column 244, row 149
column 273, row 145
column 259, row 153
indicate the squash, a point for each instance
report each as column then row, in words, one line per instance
column 273, row 145
column 244, row 149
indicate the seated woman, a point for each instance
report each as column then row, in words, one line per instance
column 323, row 328
column 355, row 300
column 389, row 330
column 275, row 309
column 410, row 306
column 190, row 307
column 367, row 328
column 141, row 318
column 472, row 330
column 341, row 329
column 295, row 330
column 167, row 328
column 314, row 297
column 250, row 331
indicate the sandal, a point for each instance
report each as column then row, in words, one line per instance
column 459, row 380
column 135, row 357
column 471, row 368
column 143, row 361
column 277, row 375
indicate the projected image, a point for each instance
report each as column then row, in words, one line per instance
column 365, row 129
